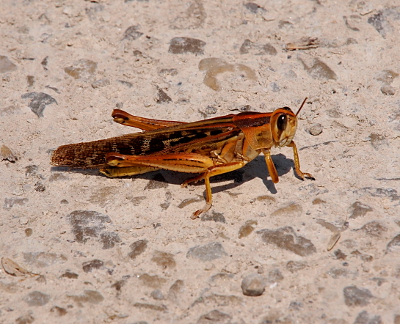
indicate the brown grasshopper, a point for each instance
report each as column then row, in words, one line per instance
column 209, row 147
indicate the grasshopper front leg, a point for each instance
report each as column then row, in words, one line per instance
column 270, row 165
column 297, row 163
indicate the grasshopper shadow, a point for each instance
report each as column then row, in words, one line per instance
column 254, row 169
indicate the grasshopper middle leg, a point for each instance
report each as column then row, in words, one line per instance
column 211, row 172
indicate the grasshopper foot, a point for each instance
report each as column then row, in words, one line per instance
column 197, row 213
column 309, row 176
column 303, row 175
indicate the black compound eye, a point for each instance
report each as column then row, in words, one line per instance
column 282, row 122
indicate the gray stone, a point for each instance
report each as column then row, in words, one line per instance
column 214, row 317
column 253, row 285
column 37, row 298
column 354, row 296
column 286, row 238
column 208, row 252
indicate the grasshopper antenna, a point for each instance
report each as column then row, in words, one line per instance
column 304, row 101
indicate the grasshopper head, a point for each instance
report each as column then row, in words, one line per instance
column 283, row 126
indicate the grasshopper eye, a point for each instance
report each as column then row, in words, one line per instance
column 282, row 122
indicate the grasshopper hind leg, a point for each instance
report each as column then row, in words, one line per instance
column 208, row 204
column 114, row 172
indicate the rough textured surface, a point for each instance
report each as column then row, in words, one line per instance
column 77, row 247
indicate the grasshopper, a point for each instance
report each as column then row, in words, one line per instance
column 208, row 147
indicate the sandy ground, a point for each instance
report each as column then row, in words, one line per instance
column 78, row 247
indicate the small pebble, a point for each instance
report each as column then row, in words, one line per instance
column 274, row 276
column 152, row 281
column 70, row 275
column 294, row 266
column 180, row 45
column 176, row 290
column 164, row 259
column 387, row 76
column 109, row 239
column 125, row 83
column 88, row 296
column 211, row 110
column 374, row 228
column 394, row 244
column 388, row 90
column 87, row 224
column 37, row 298
column 162, row 96
column 354, row 296
column 132, row 33
column 6, row 65
column 30, row 79
column 275, row 87
column 101, row 83
column 286, row 238
column 247, row 228
column 213, row 216
column 25, row 319
column 39, row 101
column 91, row 265
column 44, row 259
column 253, row 285
column 119, row 284
column 378, row 21
column 156, row 182
column 319, row 70
column 14, row 201
column 7, row 155
column 257, row 49
column 192, row 18
column 214, row 66
column 208, row 252
column 168, row 72
column 59, row 311
column 254, row 7
column 157, row 294
column 44, row 63
column 358, row 209
column 82, row 69
column 315, row 129
column 364, row 317
column 215, row 316
column 39, row 187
